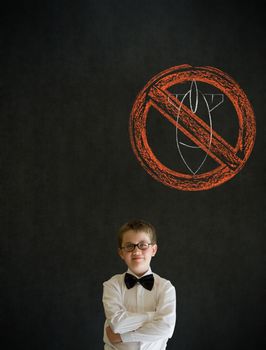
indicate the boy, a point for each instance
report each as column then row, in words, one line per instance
column 140, row 306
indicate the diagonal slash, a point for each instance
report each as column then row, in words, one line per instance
column 194, row 127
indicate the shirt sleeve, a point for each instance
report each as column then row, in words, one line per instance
column 118, row 318
column 163, row 323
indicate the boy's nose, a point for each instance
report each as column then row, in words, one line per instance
column 136, row 250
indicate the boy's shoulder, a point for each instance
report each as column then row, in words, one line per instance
column 164, row 282
column 115, row 279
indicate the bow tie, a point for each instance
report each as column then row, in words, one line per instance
column 146, row 281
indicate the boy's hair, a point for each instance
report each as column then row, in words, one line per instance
column 137, row 226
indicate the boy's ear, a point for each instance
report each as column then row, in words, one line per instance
column 120, row 253
column 154, row 249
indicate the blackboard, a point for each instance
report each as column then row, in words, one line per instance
column 70, row 74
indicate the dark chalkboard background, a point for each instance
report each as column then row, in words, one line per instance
column 70, row 73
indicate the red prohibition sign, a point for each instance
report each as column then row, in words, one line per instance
column 230, row 159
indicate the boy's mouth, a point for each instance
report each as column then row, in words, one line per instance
column 137, row 258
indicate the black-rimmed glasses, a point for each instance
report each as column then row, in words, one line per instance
column 130, row 247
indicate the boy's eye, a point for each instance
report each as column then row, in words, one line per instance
column 129, row 247
column 143, row 245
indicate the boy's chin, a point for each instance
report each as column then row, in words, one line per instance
column 139, row 269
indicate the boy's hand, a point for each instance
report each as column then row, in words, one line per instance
column 113, row 337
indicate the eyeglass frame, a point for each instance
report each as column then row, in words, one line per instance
column 137, row 245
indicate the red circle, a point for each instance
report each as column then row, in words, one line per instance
column 246, row 136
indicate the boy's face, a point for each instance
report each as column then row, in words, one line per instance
column 138, row 261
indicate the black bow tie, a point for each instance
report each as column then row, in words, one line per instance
column 146, row 281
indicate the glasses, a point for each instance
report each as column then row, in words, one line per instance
column 129, row 247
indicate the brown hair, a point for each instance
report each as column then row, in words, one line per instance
column 137, row 226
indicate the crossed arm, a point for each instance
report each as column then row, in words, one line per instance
column 113, row 337
column 128, row 326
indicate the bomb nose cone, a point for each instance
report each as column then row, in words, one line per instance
column 193, row 96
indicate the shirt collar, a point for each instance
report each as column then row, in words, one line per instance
column 146, row 273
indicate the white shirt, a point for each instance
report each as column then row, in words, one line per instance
column 144, row 319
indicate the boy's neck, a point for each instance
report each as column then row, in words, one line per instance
column 138, row 275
